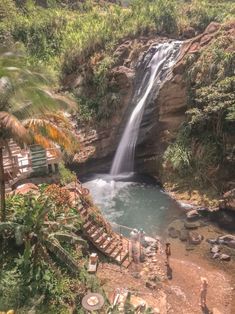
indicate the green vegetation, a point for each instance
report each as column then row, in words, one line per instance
column 28, row 111
column 68, row 34
column 42, row 254
column 203, row 151
column 66, row 176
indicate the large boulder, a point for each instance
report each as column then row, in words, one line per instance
column 191, row 225
column 173, row 233
column 228, row 240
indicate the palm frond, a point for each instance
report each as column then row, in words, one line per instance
column 56, row 134
column 54, row 247
column 12, row 127
column 69, row 238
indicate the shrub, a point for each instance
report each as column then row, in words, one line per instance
column 66, row 176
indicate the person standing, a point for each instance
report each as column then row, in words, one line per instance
column 168, row 252
column 203, row 292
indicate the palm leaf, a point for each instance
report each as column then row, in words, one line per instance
column 54, row 247
column 12, row 127
column 56, row 134
column 69, row 238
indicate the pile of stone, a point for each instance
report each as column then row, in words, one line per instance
column 216, row 246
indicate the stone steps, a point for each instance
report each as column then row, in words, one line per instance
column 109, row 244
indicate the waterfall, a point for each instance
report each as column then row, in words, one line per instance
column 157, row 68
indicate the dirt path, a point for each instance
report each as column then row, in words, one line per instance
column 179, row 295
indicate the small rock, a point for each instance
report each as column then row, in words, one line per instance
column 215, row 249
column 216, row 255
column 195, row 238
column 225, row 257
column 191, row 225
column 173, row 233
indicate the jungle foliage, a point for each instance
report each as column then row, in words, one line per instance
column 43, row 255
column 204, row 148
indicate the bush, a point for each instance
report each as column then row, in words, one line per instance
column 66, row 176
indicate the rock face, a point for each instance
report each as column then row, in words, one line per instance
column 163, row 115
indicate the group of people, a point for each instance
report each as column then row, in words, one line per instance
column 138, row 237
column 137, row 241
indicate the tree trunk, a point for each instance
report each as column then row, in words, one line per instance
column 2, row 187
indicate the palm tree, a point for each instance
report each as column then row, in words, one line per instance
column 29, row 112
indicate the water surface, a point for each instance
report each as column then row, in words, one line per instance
column 134, row 203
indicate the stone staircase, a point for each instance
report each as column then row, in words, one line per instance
column 111, row 244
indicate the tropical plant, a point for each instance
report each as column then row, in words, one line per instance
column 41, row 227
column 28, row 111
column 41, row 251
column 66, row 176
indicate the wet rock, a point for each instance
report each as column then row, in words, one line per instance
column 191, row 225
column 195, row 238
column 173, row 233
column 225, row 257
column 184, row 235
column 193, row 215
column 216, row 255
column 215, row 249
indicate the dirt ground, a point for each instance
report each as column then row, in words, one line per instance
column 179, row 295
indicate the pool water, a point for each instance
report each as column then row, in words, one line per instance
column 134, row 202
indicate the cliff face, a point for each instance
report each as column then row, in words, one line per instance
column 163, row 115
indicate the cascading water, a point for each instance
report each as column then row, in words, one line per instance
column 158, row 68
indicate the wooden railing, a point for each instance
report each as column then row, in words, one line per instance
column 22, row 163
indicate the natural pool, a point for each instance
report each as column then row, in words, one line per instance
column 138, row 202
column 135, row 202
